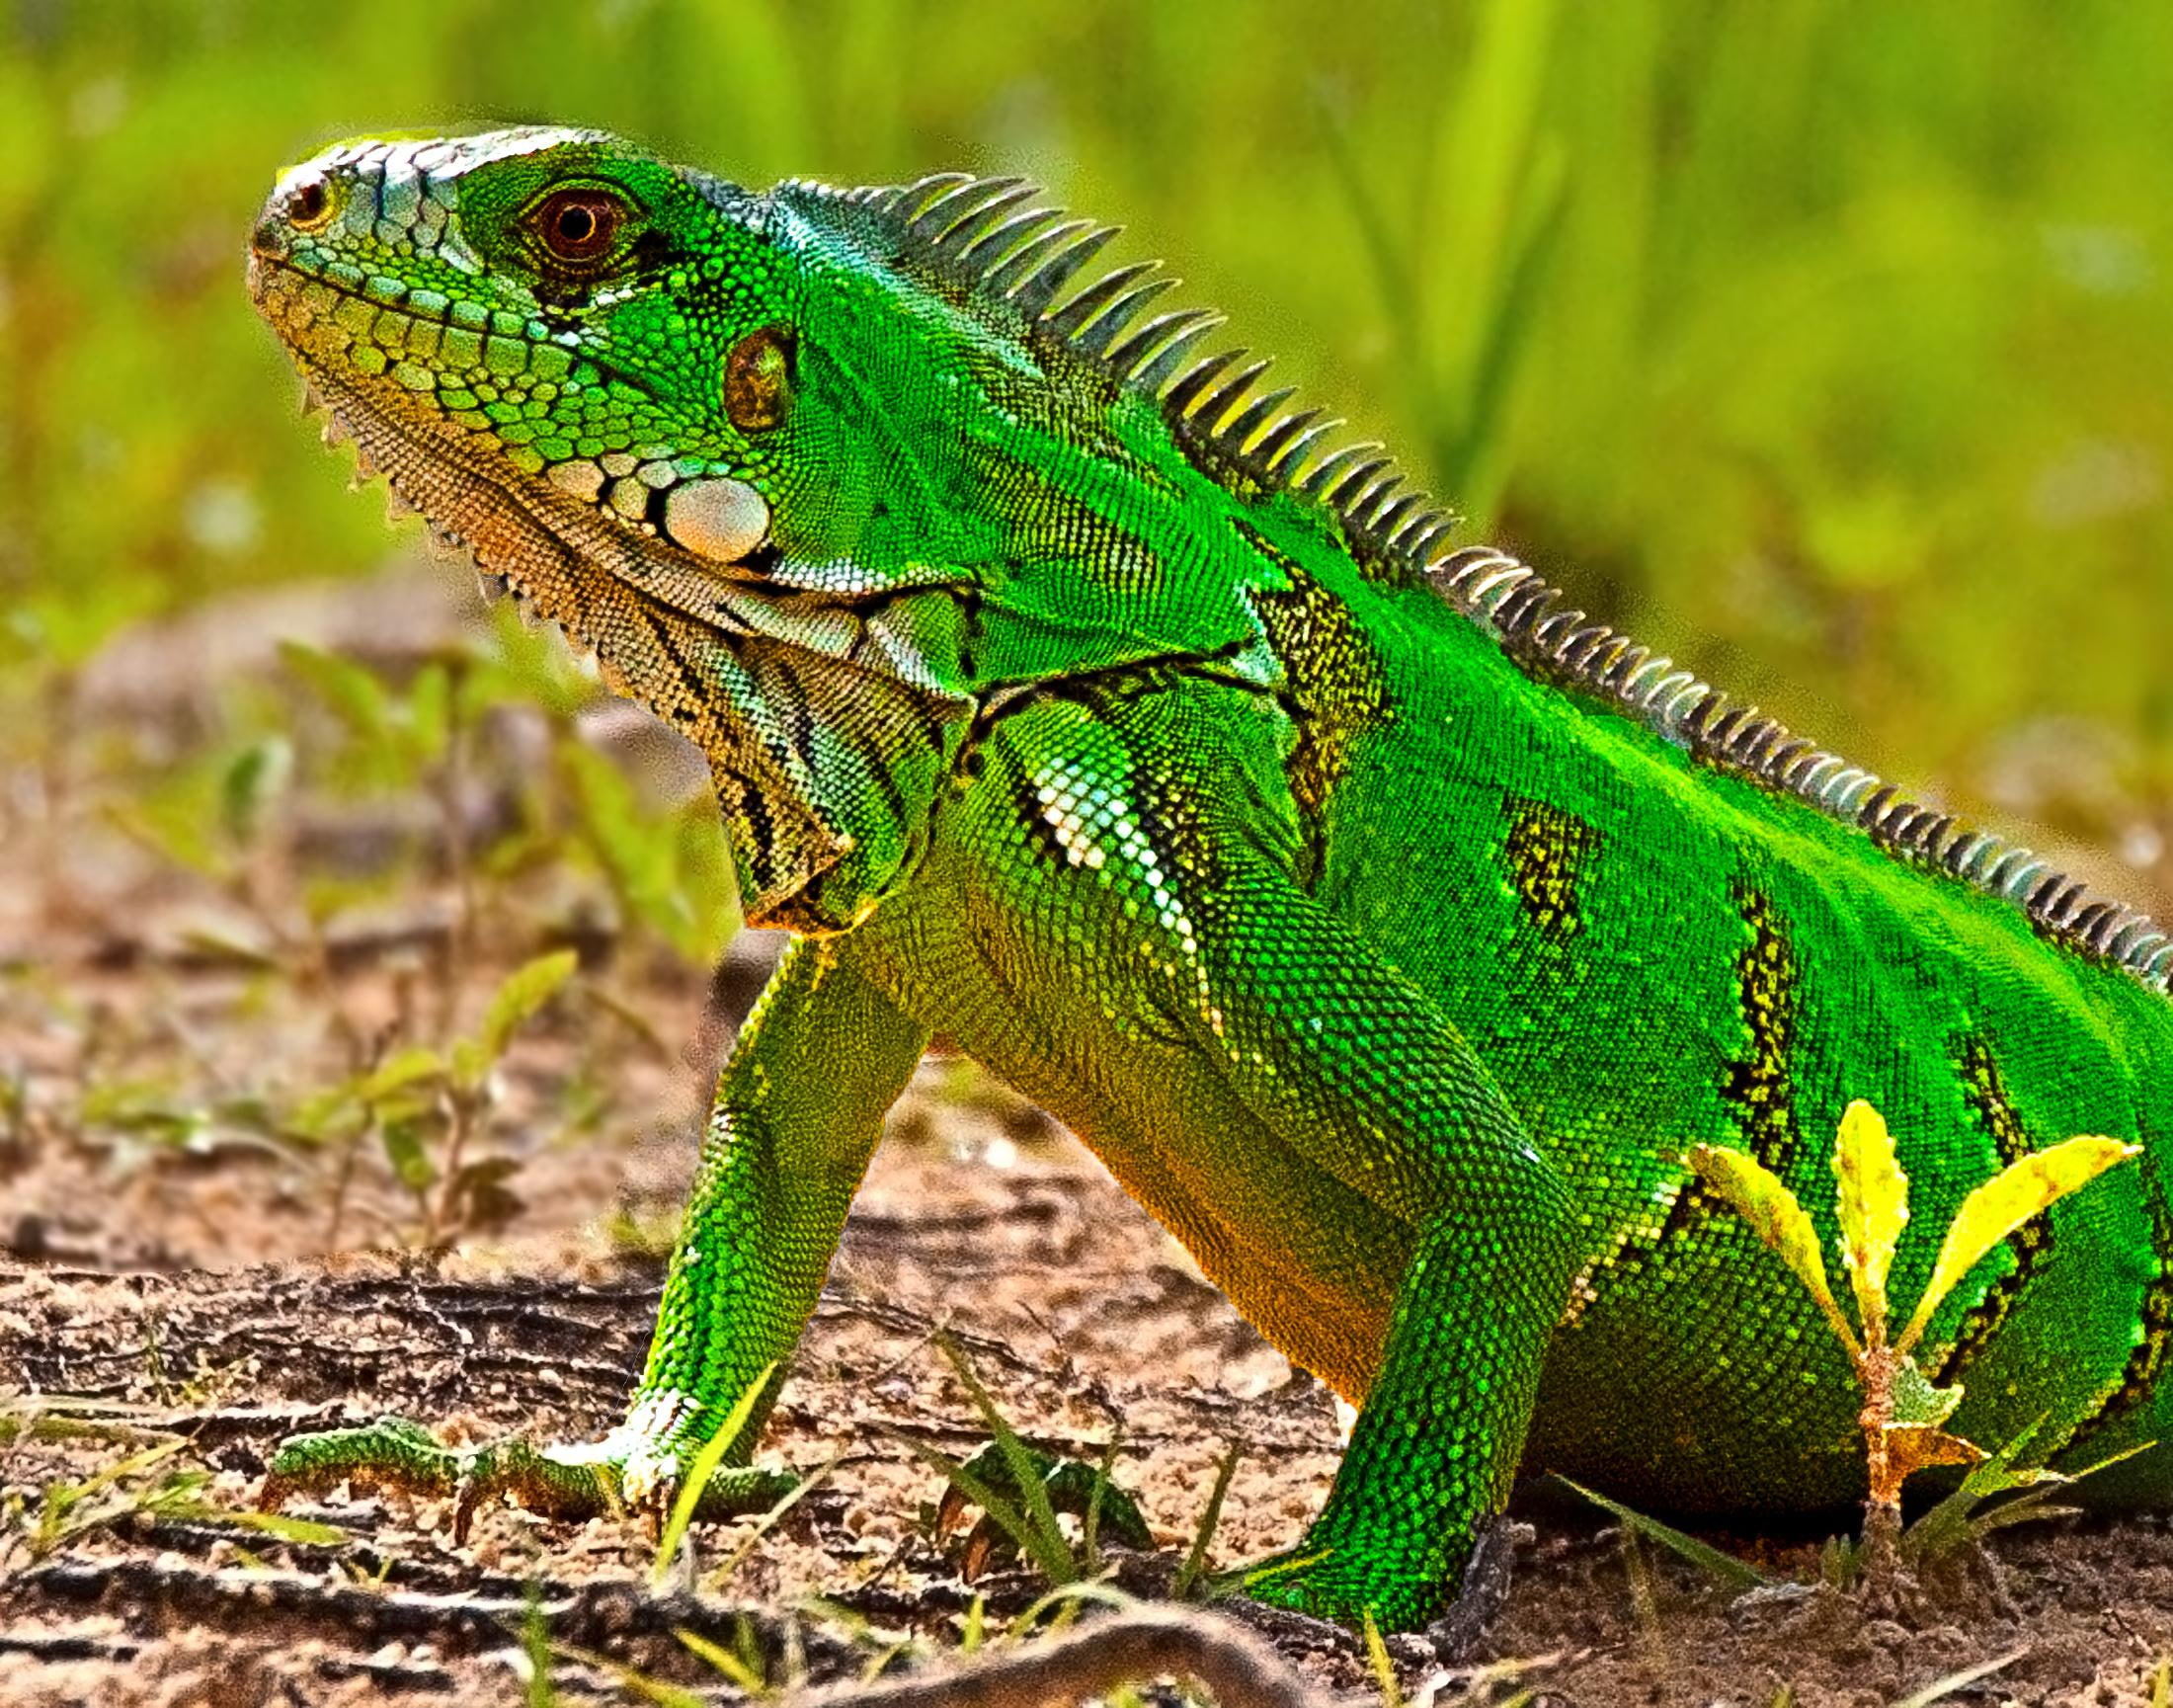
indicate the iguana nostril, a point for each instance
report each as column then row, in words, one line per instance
column 308, row 204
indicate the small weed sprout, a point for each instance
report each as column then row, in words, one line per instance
column 1022, row 1490
column 419, row 1092
column 1904, row 1413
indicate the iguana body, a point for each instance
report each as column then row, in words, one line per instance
column 1388, row 935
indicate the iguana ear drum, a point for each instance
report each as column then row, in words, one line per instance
column 758, row 380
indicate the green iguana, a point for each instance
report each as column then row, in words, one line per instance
column 1389, row 929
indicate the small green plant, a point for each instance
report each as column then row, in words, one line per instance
column 1904, row 1413
column 427, row 1108
column 1020, row 1491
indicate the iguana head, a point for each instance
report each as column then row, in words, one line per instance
column 726, row 444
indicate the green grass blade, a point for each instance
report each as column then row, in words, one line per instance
column 702, row 1469
column 1939, row 1689
column 1054, row 1553
column 1067, row 1598
column 1195, row 1557
column 806, row 1486
column 1384, row 1669
column 1725, row 1569
column 1090, row 1535
column 725, row 1662
column 1014, row 1524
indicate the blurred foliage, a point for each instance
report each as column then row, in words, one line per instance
column 1827, row 344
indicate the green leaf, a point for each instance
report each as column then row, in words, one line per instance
column 397, row 1072
column 1725, row 1569
column 250, row 783
column 351, row 693
column 1873, row 1195
column 515, row 1002
column 404, row 1150
column 2022, row 1189
column 1917, row 1401
column 1762, row 1198
column 704, row 1467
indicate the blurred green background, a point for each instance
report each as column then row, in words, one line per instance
column 1828, row 345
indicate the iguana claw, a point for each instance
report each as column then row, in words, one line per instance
column 577, row 1481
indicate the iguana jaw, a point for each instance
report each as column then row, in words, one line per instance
column 548, row 551
column 536, row 540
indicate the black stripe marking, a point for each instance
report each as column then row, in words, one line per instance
column 1548, row 851
column 1757, row 1084
column 1768, row 984
column 2147, row 1362
column 1985, row 1095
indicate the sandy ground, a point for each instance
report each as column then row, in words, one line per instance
column 1082, row 1319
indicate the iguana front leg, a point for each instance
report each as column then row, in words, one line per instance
column 799, row 1110
column 1359, row 1069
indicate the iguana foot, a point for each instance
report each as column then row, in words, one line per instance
column 1320, row 1582
column 1070, row 1485
column 637, row 1467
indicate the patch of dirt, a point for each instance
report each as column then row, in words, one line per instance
column 1072, row 1307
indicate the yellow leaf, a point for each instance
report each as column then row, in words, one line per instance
column 1917, row 1401
column 1910, row 1448
column 1874, row 1199
column 2002, row 1204
column 1762, row 1198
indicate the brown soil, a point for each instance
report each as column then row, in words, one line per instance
column 1072, row 1306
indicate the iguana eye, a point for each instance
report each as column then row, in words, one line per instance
column 578, row 225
